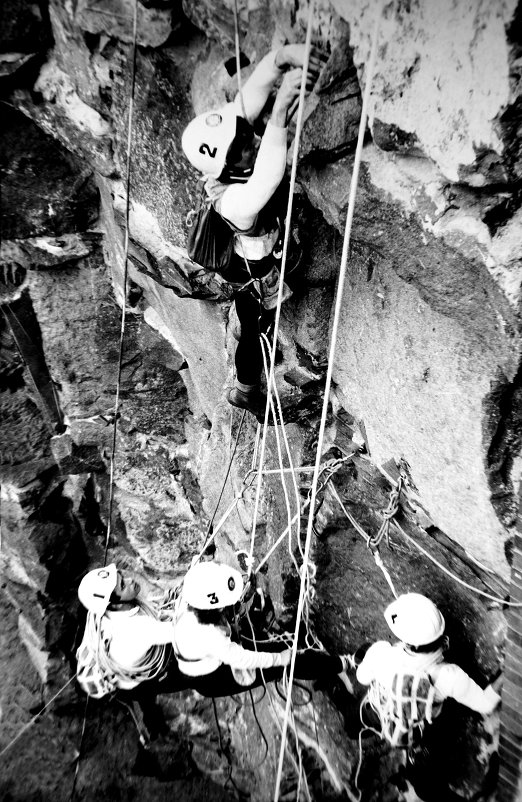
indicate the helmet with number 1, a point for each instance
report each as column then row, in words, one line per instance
column 206, row 140
column 211, row 586
column 96, row 588
column 415, row 619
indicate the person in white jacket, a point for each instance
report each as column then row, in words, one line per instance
column 206, row 652
column 409, row 680
column 243, row 179
column 129, row 641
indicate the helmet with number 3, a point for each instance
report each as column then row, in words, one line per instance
column 211, row 586
column 207, row 138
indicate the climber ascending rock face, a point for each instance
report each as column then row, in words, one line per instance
column 244, row 184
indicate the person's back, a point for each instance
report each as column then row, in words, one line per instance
column 409, row 680
column 124, row 642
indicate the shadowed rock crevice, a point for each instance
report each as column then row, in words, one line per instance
column 503, row 430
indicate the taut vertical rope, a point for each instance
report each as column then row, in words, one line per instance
column 333, row 344
column 120, row 354
column 288, row 220
column 125, row 279
column 238, row 59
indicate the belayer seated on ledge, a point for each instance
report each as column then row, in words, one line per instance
column 243, row 185
column 129, row 641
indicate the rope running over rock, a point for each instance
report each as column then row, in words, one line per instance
column 335, row 326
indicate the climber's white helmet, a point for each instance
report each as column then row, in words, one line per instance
column 210, row 586
column 207, row 138
column 414, row 619
column 96, row 587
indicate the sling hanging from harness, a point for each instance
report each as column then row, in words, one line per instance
column 404, row 704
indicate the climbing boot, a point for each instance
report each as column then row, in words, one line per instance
column 253, row 400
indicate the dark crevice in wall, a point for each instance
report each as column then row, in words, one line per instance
column 503, row 412
column 25, row 331
column 500, row 213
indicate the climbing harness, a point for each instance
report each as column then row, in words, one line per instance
column 404, row 705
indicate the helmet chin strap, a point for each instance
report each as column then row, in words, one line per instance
column 238, row 175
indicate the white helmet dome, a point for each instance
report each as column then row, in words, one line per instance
column 415, row 619
column 96, row 587
column 207, row 138
column 211, row 586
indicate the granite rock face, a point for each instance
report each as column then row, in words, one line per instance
column 426, row 371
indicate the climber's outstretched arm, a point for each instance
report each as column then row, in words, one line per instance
column 258, row 86
column 241, row 203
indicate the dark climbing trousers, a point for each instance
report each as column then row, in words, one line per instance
column 253, row 318
column 309, row 665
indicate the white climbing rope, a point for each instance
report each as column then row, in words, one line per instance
column 452, row 575
column 288, row 219
column 238, row 59
column 36, row 717
column 333, row 344
column 125, row 279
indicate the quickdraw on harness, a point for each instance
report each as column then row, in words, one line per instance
column 403, row 705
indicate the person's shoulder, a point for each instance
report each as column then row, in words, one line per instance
column 378, row 651
column 381, row 647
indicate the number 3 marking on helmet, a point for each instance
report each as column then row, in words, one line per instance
column 213, row 598
column 206, row 150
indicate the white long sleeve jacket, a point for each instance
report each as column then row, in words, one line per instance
column 383, row 660
column 202, row 648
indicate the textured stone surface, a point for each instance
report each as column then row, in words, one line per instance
column 426, row 372
column 29, row 161
column 115, row 19
column 426, row 87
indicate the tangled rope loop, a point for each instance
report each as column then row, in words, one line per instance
column 387, row 514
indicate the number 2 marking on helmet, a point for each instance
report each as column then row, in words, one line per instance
column 213, row 598
column 206, row 150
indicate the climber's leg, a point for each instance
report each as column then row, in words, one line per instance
column 246, row 393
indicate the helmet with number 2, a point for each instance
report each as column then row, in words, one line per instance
column 211, row 586
column 207, row 138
